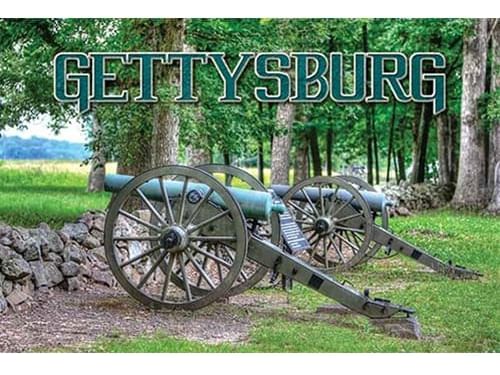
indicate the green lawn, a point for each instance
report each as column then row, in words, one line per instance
column 456, row 316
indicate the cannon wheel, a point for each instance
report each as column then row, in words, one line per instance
column 145, row 263
column 334, row 245
column 384, row 216
column 252, row 272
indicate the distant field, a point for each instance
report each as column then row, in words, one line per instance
column 46, row 191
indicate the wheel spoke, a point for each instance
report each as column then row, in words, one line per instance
column 197, row 208
column 219, row 268
column 208, row 221
column 342, row 238
column 146, row 238
column 150, row 206
column 142, row 255
column 187, row 288
column 300, row 209
column 153, row 268
column 321, row 202
column 201, row 270
column 166, row 200
column 348, row 229
column 210, row 255
column 138, row 220
column 342, row 206
column 308, row 199
column 183, row 200
column 333, row 199
column 325, row 252
column 168, row 275
column 213, row 238
column 350, row 217
column 339, row 252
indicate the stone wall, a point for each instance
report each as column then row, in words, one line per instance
column 42, row 259
column 417, row 197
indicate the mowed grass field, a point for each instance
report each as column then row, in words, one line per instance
column 456, row 316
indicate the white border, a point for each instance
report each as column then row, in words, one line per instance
column 254, row 8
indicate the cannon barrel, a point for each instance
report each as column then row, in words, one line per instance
column 376, row 201
column 254, row 204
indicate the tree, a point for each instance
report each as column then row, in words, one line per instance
column 471, row 183
column 280, row 163
column 494, row 109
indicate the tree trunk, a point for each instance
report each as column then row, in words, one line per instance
column 400, row 153
column 260, row 160
column 420, row 150
column 197, row 156
column 329, row 153
column 391, row 143
column 443, row 148
column 494, row 169
column 369, row 147
column 375, row 145
column 168, row 36
column 301, row 158
column 415, row 131
column 280, row 164
column 453, row 146
column 227, row 158
column 98, row 158
column 471, row 184
column 315, row 154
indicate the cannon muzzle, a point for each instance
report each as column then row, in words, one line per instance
column 254, row 204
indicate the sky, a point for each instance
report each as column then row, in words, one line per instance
column 38, row 128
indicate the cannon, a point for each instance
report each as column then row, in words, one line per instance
column 193, row 238
column 340, row 223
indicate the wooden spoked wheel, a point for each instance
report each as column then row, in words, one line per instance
column 381, row 218
column 163, row 258
column 231, row 176
column 335, row 219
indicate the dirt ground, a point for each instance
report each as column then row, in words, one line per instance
column 63, row 319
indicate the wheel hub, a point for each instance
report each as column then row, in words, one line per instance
column 174, row 239
column 322, row 225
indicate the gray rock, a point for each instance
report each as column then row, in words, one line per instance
column 77, row 231
column 407, row 328
column 15, row 268
column 90, row 242
column 4, row 229
column 88, row 219
column 50, row 240
column 85, row 271
column 64, row 237
column 18, row 243
column 71, row 284
column 16, row 298
column 73, row 253
column 5, row 241
column 54, row 276
column 103, row 278
column 53, row 257
column 98, row 234
column 7, row 287
column 70, row 269
column 33, row 251
column 3, row 303
column 5, row 252
column 39, row 274
column 99, row 222
column 99, row 254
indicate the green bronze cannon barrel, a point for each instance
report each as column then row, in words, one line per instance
column 254, row 204
column 376, row 201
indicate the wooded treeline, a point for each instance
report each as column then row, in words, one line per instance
column 393, row 141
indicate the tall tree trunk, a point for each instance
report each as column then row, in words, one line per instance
column 391, row 143
column 375, row 144
column 443, row 146
column 260, row 160
column 415, row 131
column 420, row 152
column 369, row 147
column 280, row 163
column 315, row 153
column 400, row 152
column 471, row 184
column 167, row 36
column 301, row 158
column 453, row 146
column 227, row 158
column 329, row 151
column 494, row 169
column 197, row 156
column 98, row 158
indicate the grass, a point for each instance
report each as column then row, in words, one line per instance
column 456, row 316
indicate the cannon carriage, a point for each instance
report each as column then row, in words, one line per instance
column 201, row 239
